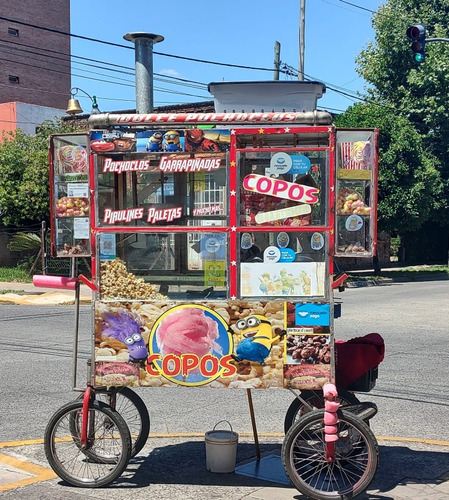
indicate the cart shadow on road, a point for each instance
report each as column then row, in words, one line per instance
column 184, row 464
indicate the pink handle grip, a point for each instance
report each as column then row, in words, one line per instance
column 329, row 390
column 331, row 406
column 330, row 418
column 46, row 281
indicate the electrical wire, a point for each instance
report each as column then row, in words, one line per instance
column 132, row 85
column 358, row 6
column 158, row 77
column 204, row 61
column 285, row 69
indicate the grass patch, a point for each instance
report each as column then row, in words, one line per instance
column 415, row 271
column 411, row 273
column 18, row 292
column 15, row 275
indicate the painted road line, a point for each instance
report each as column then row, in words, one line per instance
column 35, row 472
column 15, row 444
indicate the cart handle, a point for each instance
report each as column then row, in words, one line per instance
column 339, row 281
column 62, row 282
column 87, row 282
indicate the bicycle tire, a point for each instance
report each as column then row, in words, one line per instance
column 108, row 436
column 355, row 464
column 133, row 410
column 315, row 398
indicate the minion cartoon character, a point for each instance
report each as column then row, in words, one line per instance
column 172, row 141
column 256, row 339
column 123, row 327
column 155, row 142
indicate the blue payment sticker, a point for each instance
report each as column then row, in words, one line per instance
column 287, row 255
column 300, row 164
column 312, row 314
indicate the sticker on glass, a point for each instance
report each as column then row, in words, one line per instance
column 354, row 223
column 317, row 241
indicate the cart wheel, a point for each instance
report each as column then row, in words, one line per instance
column 315, row 398
column 354, row 466
column 107, row 437
column 133, row 410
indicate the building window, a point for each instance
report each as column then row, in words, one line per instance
column 13, row 32
column 14, row 79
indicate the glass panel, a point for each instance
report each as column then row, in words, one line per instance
column 283, row 264
column 154, row 190
column 355, row 151
column 355, row 193
column 283, row 189
column 70, row 159
column 70, row 196
column 138, row 266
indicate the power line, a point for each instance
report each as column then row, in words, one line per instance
column 241, row 66
column 359, row 7
column 132, row 85
column 184, row 82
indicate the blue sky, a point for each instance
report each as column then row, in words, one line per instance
column 240, row 32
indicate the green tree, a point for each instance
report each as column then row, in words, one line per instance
column 24, row 187
column 409, row 103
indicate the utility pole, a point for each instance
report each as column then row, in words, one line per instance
column 277, row 59
column 302, row 23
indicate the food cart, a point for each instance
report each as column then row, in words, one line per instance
column 211, row 239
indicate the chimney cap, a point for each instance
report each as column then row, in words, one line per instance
column 134, row 35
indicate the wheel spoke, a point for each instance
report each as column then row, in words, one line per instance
column 107, row 451
column 354, row 464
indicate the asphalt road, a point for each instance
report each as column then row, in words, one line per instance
column 412, row 391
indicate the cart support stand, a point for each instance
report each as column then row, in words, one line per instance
column 253, row 422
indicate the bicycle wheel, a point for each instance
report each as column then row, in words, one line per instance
column 315, row 398
column 354, row 466
column 107, row 437
column 133, row 410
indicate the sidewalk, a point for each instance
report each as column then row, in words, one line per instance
column 174, row 467
column 28, row 294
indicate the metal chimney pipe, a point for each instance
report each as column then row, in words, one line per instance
column 143, row 43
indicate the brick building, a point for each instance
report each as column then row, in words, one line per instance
column 35, row 62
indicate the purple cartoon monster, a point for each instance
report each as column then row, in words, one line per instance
column 123, row 327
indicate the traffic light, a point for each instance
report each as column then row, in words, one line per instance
column 417, row 34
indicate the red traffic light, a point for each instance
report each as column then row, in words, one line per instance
column 417, row 32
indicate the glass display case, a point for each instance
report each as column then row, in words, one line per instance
column 356, row 192
column 70, row 195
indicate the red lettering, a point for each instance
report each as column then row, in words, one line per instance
column 248, row 182
column 189, row 362
column 279, row 186
column 150, row 368
column 296, row 192
column 204, row 363
column 171, row 365
column 229, row 368
column 263, row 185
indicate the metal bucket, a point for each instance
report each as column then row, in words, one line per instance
column 221, row 449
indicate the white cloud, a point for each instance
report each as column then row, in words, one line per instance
column 169, row 72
